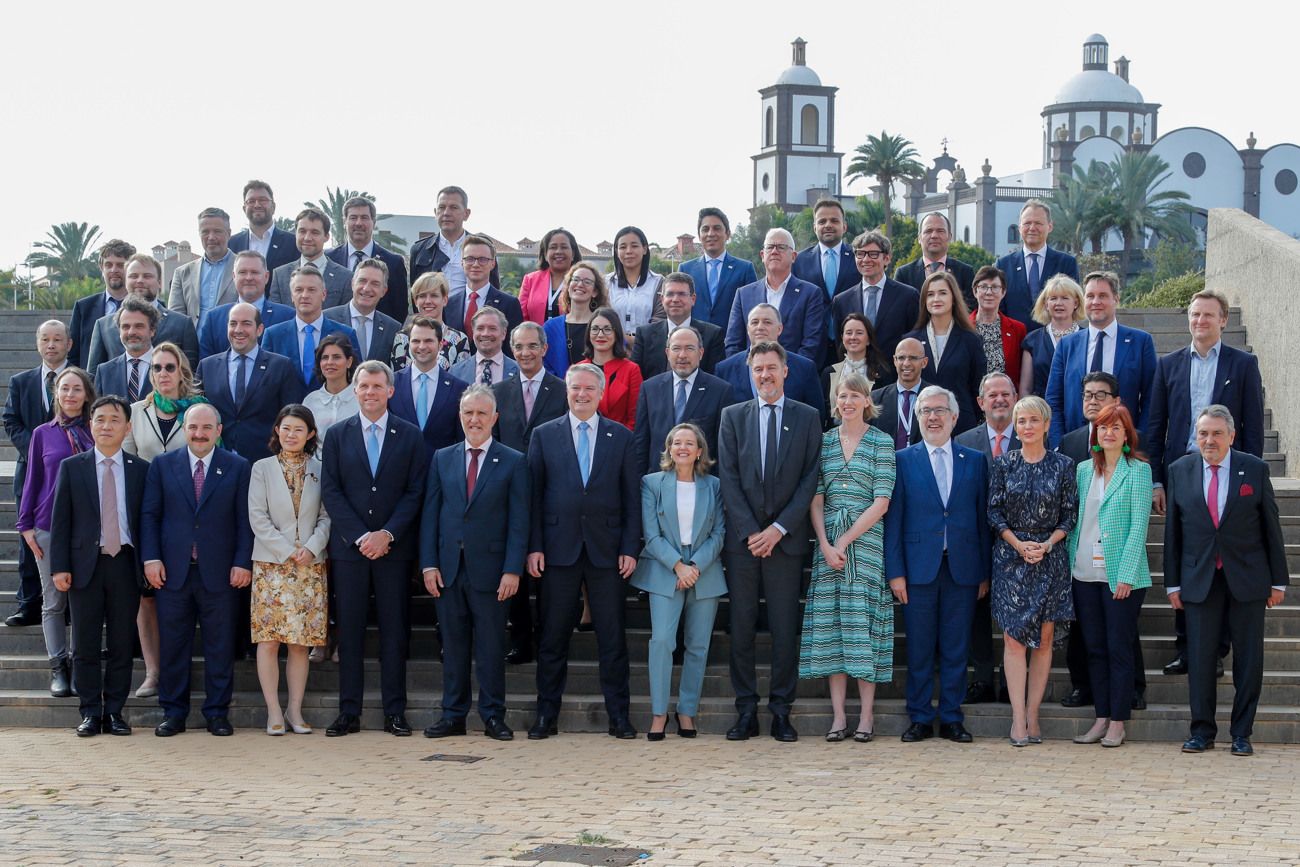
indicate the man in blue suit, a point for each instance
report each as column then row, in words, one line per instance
column 89, row 310
column 372, row 485
column 683, row 394
column 1128, row 354
column 298, row 338
column 197, row 548
column 473, row 540
column 375, row 330
column 938, row 552
column 359, row 220
column 828, row 264
column 585, row 531
column 248, row 385
column 250, row 286
column 801, row 384
column 1028, row 268
column 277, row 246
column 802, row 304
column 717, row 274
column 424, row 394
column 889, row 305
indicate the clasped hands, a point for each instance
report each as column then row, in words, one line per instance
column 1031, row 552
column 687, row 575
column 156, row 575
column 762, row 543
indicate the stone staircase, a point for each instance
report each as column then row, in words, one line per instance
column 25, row 700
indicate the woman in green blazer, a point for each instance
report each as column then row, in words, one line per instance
column 681, row 514
column 1108, row 559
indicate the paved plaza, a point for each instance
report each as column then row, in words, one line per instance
column 373, row 799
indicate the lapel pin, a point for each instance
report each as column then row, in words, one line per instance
column 784, row 428
column 608, row 434
column 392, row 430
column 218, row 472
column 1226, row 381
column 494, row 460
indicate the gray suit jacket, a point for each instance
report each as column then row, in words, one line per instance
column 383, row 331
column 184, row 294
column 338, row 284
column 466, row 370
column 106, row 342
column 978, row 438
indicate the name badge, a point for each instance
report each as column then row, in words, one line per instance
column 1098, row 556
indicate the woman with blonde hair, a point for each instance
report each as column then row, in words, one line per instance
column 429, row 294
column 1059, row 309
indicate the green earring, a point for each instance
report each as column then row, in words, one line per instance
column 1126, row 448
column 1096, row 448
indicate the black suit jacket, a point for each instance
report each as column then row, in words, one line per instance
column 649, row 349
column 395, row 302
column 1248, row 538
column 359, row 503
column 655, row 415
column 75, row 521
column 85, row 313
column 512, row 429
column 896, row 315
column 283, row 249
column 740, row 472
column 886, row 399
column 426, row 255
column 1075, row 445
column 246, row 427
column 964, row 365
column 442, row 427
column 454, row 313
column 25, row 410
column 913, row 274
column 978, row 438
column 604, row 517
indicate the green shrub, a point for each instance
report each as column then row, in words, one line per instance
column 1175, row 292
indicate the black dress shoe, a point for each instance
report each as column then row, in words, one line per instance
column 1177, row 665
column 543, row 728
column 1197, row 744
column 90, row 726
column 220, row 726
column 115, row 724
column 495, row 727
column 622, row 728
column 1078, row 697
column 396, row 724
column 172, row 725
column 782, row 730
column 445, row 728
column 1139, row 700
column 1242, row 747
column 746, row 727
column 60, row 682
column 518, row 657
column 344, row 724
column 955, row 732
column 23, row 617
column 979, row 692
column 917, row 732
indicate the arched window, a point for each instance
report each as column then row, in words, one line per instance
column 769, row 123
column 1013, row 234
column 808, row 125
column 1086, row 132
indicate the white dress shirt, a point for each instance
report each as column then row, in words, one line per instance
column 434, row 372
column 453, row 270
column 1201, row 374
column 774, row 296
column 685, row 510
column 260, row 244
column 46, row 370
column 119, row 479
column 366, row 252
column 487, row 444
column 330, row 409
column 945, row 455
column 1107, row 351
column 195, row 461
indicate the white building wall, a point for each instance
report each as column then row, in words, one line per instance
column 806, row 172
column 1275, row 207
column 963, row 227
column 765, row 166
column 1086, row 119
column 1223, row 182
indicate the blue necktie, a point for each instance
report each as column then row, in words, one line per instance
column 422, row 401
column 241, row 379
column 372, row 448
column 584, row 452
column 1098, row 353
column 831, row 274
column 679, row 405
column 1035, row 277
column 715, row 274
column 308, row 353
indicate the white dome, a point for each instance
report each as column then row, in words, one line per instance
column 800, row 75
column 1097, row 85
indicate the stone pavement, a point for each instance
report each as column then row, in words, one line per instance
column 369, row 799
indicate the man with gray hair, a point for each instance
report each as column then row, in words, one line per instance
column 802, row 304
column 375, row 330
column 935, row 235
column 1028, row 268
column 209, row 280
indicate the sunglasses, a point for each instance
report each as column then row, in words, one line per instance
column 169, row 367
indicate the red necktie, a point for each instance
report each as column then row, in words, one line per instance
column 198, row 496
column 1212, row 500
column 470, row 309
column 997, row 445
column 471, row 477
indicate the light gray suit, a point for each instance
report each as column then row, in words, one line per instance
column 338, row 284
column 467, row 370
column 277, row 528
column 184, row 294
column 106, row 340
column 383, row 331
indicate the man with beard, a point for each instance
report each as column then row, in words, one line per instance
column 89, row 310
column 144, row 279
column 312, row 233
column 276, row 245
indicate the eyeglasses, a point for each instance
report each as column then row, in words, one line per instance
column 988, row 287
column 932, row 410
column 475, row 260
column 169, row 367
column 527, row 347
column 600, row 329
column 867, row 254
column 776, row 248
column 582, row 281
column 1097, row 395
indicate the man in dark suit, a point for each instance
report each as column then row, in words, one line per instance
column 938, row 559
column 677, row 291
column 585, row 532
column 768, row 457
column 1128, row 354
column 683, row 394
column 276, row 245
column 359, row 220
column 94, row 558
column 828, row 264
column 897, row 401
column 479, row 259
column 802, row 304
column 250, row 287
column 197, row 548
column 143, row 279
column 717, row 274
column 802, row 382
column 127, row 375
column 375, row 330
column 312, row 233
column 890, row 306
column 297, row 338
column 424, row 394
column 1224, row 375
column 89, row 310
column 473, row 540
column 935, row 236
column 995, row 437
column 1223, row 550
column 442, row 251
column 1028, row 268
column 525, row 401
column 29, row 405
column 372, row 485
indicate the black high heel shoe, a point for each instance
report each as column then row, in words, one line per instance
column 652, row 735
column 682, row 732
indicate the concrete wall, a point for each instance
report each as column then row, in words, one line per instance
column 1258, row 268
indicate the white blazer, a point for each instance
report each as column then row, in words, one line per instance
column 276, row 529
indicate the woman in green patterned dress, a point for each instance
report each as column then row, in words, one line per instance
column 848, row 626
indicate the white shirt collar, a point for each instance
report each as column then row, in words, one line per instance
column 536, row 377
column 779, row 403
column 1223, row 467
column 779, row 289
column 302, row 323
column 487, row 444
column 690, row 380
column 207, row 462
column 1111, row 330
column 46, row 369
column 945, row 448
column 366, row 252
column 353, row 312
column 824, row 249
column 1041, row 254
column 880, row 285
column 574, row 421
column 719, row 258
column 382, row 421
column 100, row 457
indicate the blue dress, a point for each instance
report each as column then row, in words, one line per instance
column 1032, row 500
column 1038, row 343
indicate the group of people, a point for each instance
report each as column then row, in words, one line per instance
column 297, row 430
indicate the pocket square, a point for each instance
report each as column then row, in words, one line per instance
column 1246, row 490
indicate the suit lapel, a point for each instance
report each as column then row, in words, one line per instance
column 958, row 469
column 668, row 497
column 258, row 374
column 487, row 464
column 1234, row 482
column 703, row 508
column 185, row 480
column 90, row 484
column 1221, row 372
column 216, row 472
column 1116, row 481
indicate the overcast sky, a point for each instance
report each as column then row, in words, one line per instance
column 136, row 115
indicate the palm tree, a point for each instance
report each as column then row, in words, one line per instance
column 887, row 158
column 332, row 205
column 1135, row 206
column 1081, row 208
column 66, row 253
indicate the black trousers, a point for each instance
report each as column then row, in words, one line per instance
column 1109, row 627
column 1204, row 631
column 981, row 642
column 520, row 610
column 607, row 595
column 473, row 626
column 106, row 605
column 1180, row 633
column 776, row 579
column 353, row 581
column 29, row 577
column 1076, row 660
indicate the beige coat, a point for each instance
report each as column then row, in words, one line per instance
column 276, row 528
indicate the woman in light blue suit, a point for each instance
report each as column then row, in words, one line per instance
column 680, row 569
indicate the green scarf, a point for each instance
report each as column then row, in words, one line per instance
column 176, row 407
